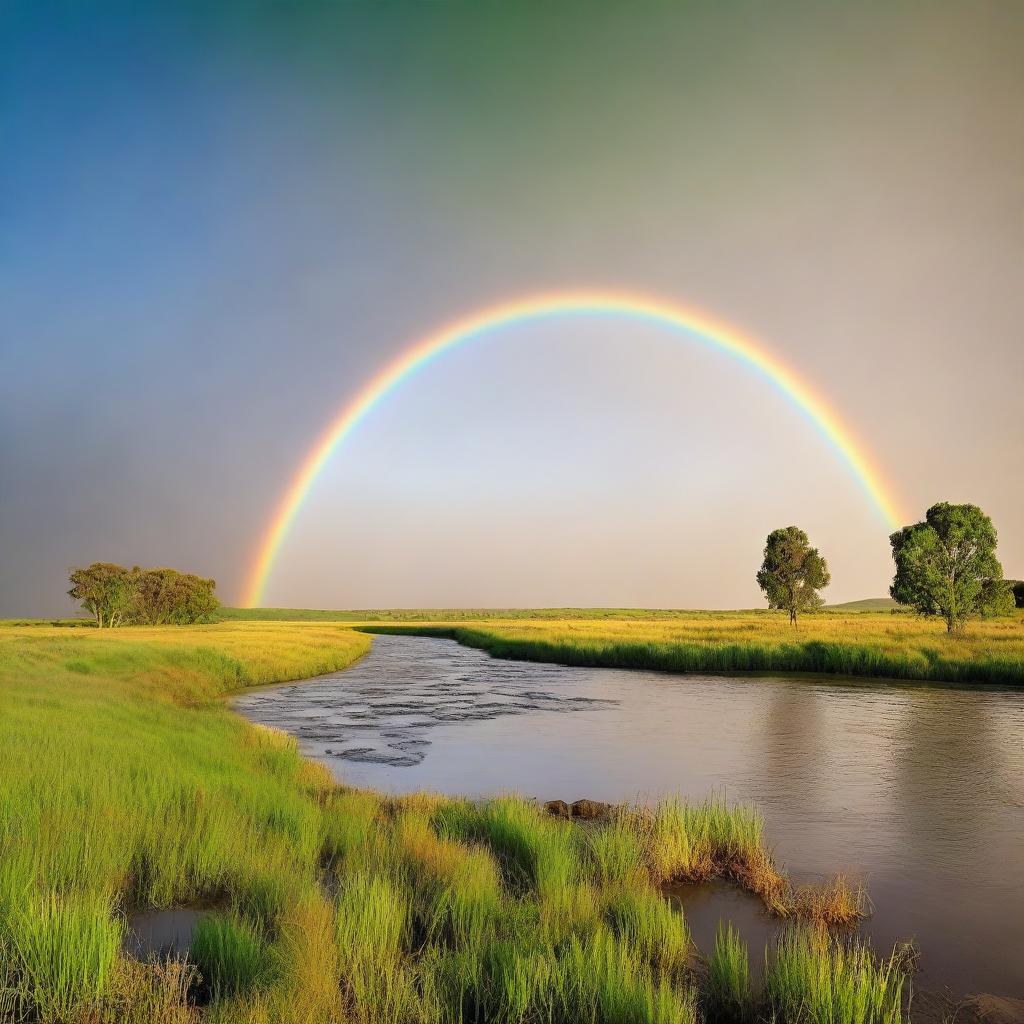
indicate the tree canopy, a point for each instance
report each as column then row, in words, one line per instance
column 792, row 572
column 947, row 566
column 117, row 596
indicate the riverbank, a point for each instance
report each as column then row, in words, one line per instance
column 129, row 785
column 874, row 645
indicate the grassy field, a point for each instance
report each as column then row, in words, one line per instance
column 128, row 784
column 461, row 614
column 874, row 604
column 894, row 646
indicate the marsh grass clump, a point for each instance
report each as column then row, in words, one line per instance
column 810, row 977
column 63, row 947
column 356, row 832
column 457, row 887
column 232, row 954
column 515, row 831
column 373, row 917
column 644, row 921
column 600, row 978
column 814, row 976
column 727, row 992
column 373, row 922
column 506, row 979
column 834, row 902
column 684, row 842
column 617, row 852
column 154, row 992
column 696, row 841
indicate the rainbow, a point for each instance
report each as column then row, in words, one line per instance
column 694, row 325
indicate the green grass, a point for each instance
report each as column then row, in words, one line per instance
column 814, row 977
column 869, row 604
column 891, row 646
column 448, row 614
column 129, row 784
column 728, row 996
column 810, row 977
column 65, row 945
column 232, row 955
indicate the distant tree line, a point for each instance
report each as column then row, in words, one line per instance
column 946, row 566
column 117, row 596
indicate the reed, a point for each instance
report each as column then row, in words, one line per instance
column 232, row 954
column 457, row 888
column 602, row 979
column 645, row 922
column 727, row 992
column 815, row 977
column 64, row 947
column 617, row 852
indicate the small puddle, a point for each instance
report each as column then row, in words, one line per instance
column 707, row 904
column 162, row 933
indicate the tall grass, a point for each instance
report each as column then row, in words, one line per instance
column 728, row 994
column 232, row 954
column 602, row 979
column 128, row 784
column 64, row 946
column 618, row 852
column 893, row 646
column 816, row 977
column 644, row 921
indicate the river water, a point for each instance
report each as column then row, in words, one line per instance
column 916, row 790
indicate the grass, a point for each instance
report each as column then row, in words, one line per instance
column 814, row 976
column 881, row 645
column 810, row 977
column 728, row 994
column 129, row 784
column 232, row 954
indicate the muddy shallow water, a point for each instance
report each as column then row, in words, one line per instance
column 917, row 790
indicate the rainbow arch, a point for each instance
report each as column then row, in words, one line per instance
column 696, row 326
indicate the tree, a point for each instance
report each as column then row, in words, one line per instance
column 947, row 566
column 792, row 572
column 104, row 589
column 154, row 597
column 166, row 596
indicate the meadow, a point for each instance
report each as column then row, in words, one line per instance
column 128, row 784
column 891, row 645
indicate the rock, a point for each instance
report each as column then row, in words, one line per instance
column 986, row 1009
column 558, row 808
column 590, row 810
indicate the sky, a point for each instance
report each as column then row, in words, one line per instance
column 215, row 228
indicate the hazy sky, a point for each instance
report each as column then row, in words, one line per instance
column 213, row 230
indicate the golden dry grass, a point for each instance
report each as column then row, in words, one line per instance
column 892, row 645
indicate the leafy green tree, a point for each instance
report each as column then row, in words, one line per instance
column 947, row 566
column 792, row 572
column 168, row 597
column 155, row 597
column 104, row 589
